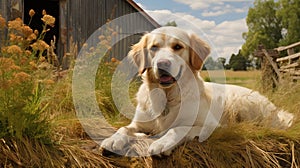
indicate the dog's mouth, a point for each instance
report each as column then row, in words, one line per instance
column 166, row 79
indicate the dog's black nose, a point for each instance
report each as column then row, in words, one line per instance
column 163, row 64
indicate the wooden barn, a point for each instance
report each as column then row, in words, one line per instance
column 76, row 20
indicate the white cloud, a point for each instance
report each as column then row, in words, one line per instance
column 231, row 27
column 216, row 13
column 222, row 10
column 225, row 38
column 215, row 7
column 196, row 4
column 181, row 19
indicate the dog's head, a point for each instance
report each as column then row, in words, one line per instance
column 167, row 52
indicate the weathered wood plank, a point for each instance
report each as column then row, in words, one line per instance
column 295, row 73
column 296, row 77
column 290, row 66
column 272, row 53
column 291, row 71
column 287, row 47
column 274, row 65
column 288, row 57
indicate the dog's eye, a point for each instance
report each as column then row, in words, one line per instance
column 177, row 47
column 154, row 48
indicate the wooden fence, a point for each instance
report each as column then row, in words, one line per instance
column 279, row 63
column 291, row 63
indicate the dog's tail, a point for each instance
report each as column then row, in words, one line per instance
column 286, row 119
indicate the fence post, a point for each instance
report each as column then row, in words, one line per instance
column 269, row 70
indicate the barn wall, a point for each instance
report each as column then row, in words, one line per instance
column 11, row 9
column 85, row 17
column 3, row 8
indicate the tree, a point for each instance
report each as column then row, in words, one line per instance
column 173, row 23
column 221, row 61
column 263, row 26
column 238, row 62
column 289, row 14
column 209, row 64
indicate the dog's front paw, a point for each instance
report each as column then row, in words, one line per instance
column 117, row 142
column 162, row 147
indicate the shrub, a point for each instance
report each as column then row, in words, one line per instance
column 25, row 72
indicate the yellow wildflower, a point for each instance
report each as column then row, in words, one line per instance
column 92, row 49
column 113, row 59
column 12, row 37
column 48, row 20
column 44, row 12
column 40, row 45
column 31, row 37
column 104, row 43
column 14, row 49
column 15, row 38
column 31, row 12
column 8, row 64
column 2, row 22
column 6, row 84
column 85, row 45
column 15, row 67
column 27, row 31
column 114, row 33
column 48, row 81
column 28, row 53
column 33, row 65
column 101, row 37
column 36, row 32
column 23, row 60
column 42, row 59
column 15, row 24
column 21, row 77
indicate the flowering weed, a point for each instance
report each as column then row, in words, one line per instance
column 23, row 80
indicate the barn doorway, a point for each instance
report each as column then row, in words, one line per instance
column 51, row 7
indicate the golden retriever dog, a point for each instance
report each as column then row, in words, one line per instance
column 175, row 104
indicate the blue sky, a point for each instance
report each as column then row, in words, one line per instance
column 220, row 22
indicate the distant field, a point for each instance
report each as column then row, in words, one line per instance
column 248, row 79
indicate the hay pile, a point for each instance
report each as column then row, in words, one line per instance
column 242, row 145
column 239, row 145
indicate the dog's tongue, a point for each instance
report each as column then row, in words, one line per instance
column 165, row 78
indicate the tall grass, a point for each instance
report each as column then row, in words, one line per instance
column 106, row 101
column 286, row 95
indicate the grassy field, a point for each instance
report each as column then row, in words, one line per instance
column 249, row 79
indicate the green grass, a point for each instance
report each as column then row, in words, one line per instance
column 249, row 79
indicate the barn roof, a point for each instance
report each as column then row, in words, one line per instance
column 147, row 16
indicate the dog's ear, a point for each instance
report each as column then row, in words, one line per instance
column 199, row 50
column 138, row 54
